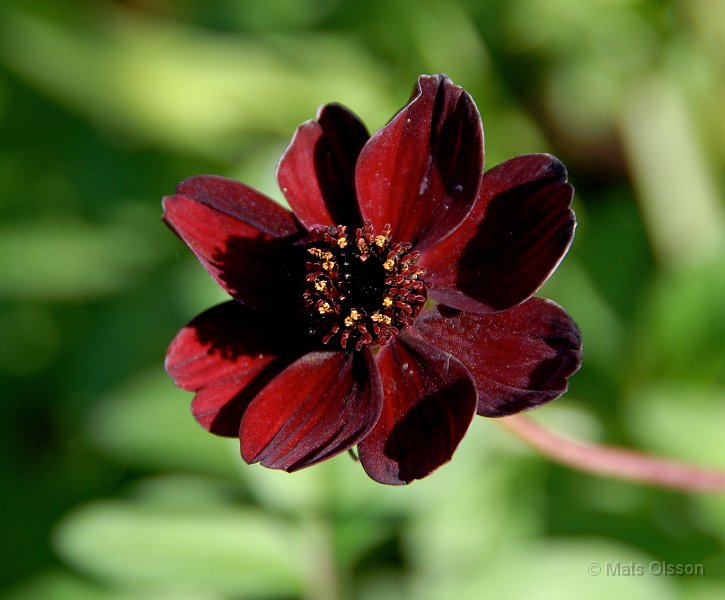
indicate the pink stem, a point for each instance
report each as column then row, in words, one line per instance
column 615, row 462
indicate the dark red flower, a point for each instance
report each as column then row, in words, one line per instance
column 326, row 343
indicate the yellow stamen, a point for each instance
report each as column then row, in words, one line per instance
column 355, row 315
column 380, row 240
column 378, row 318
column 341, row 242
column 320, row 285
column 388, row 265
column 328, row 265
column 324, row 308
column 387, row 302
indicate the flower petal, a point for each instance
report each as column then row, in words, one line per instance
column 240, row 236
column 428, row 406
column 317, row 171
column 321, row 405
column 421, row 172
column 518, row 358
column 516, row 235
column 227, row 354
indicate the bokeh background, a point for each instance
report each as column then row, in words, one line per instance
column 110, row 491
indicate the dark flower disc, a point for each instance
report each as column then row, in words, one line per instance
column 362, row 289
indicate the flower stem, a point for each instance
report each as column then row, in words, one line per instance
column 615, row 462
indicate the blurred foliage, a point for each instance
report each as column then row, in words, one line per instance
column 110, row 490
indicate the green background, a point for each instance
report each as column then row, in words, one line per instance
column 110, row 491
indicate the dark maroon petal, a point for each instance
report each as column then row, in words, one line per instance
column 227, row 354
column 321, row 405
column 240, row 236
column 518, row 358
column 219, row 408
column 317, row 171
column 516, row 235
column 428, row 406
column 421, row 172
column 240, row 202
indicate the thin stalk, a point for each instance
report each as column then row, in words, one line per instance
column 610, row 461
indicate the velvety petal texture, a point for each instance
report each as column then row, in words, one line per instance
column 227, row 355
column 519, row 358
column 239, row 235
column 429, row 403
column 516, row 235
column 421, row 172
column 321, row 405
column 317, row 171
column 328, row 343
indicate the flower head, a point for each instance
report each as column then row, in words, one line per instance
column 333, row 337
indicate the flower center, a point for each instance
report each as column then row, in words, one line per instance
column 362, row 289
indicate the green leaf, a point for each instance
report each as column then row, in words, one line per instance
column 60, row 585
column 678, row 194
column 185, row 87
column 552, row 570
column 148, row 423
column 683, row 329
column 241, row 552
column 71, row 259
column 679, row 420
